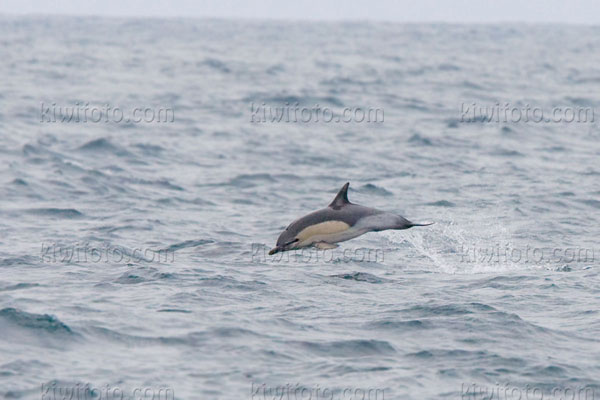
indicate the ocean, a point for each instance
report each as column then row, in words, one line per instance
column 148, row 165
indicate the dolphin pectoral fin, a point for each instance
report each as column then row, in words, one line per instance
column 425, row 224
column 325, row 246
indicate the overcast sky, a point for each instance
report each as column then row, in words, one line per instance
column 566, row 11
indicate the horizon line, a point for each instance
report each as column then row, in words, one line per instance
column 296, row 20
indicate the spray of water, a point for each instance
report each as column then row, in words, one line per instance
column 482, row 246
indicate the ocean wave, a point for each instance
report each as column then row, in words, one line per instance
column 400, row 325
column 104, row 145
column 361, row 277
column 369, row 188
column 35, row 322
column 188, row 243
column 67, row 213
column 349, row 348
column 18, row 286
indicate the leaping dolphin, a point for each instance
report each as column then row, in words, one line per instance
column 340, row 221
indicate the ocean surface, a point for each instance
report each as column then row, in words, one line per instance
column 134, row 254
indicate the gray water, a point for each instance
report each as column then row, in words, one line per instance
column 134, row 254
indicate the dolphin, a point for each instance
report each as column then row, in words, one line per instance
column 338, row 222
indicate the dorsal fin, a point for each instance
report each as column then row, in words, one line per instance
column 341, row 198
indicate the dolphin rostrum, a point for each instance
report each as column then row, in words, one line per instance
column 339, row 221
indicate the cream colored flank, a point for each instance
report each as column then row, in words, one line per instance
column 321, row 232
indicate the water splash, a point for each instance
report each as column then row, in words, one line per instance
column 470, row 247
